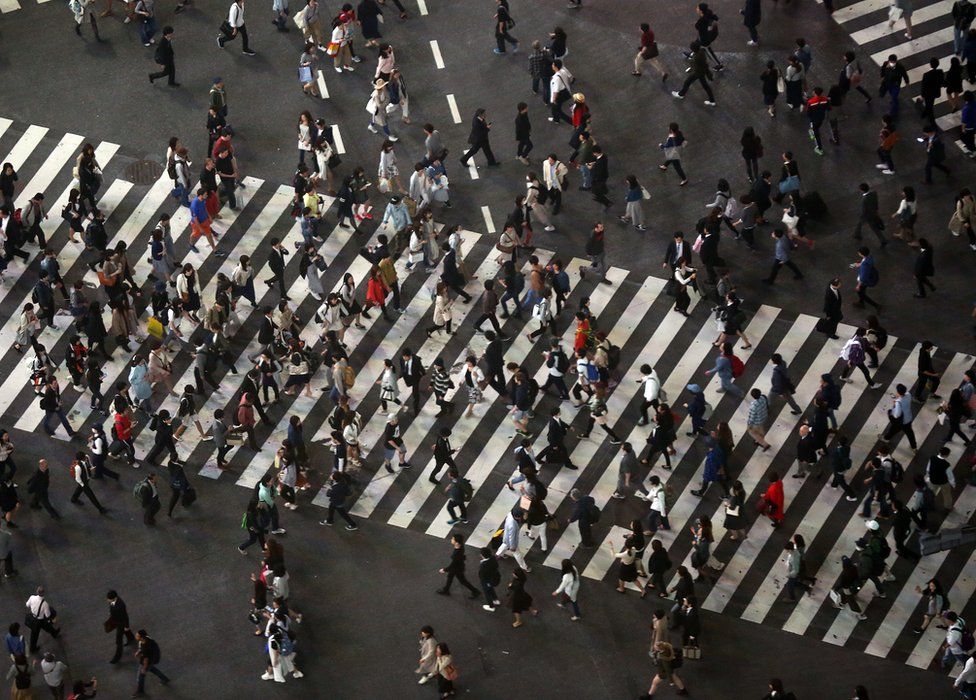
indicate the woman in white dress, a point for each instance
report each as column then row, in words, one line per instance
column 312, row 268
column 305, row 121
column 330, row 316
column 532, row 190
column 388, row 170
column 389, row 391
column 442, row 311
column 27, row 328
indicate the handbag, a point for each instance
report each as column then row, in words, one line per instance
column 299, row 18
column 691, row 652
column 644, row 193
column 154, row 327
column 333, row 48
column 790, row 184
column 304, row 74
column 110, row 624
column 383, row 185
column 450, row 672
column 894, row 14
column 733, row 512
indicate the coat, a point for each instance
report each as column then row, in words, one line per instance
column 138, row 380
column 752, row 13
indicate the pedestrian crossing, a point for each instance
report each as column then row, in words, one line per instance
column 867, row 22
column 635, row 313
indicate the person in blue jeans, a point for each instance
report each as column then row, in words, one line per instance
column 893, row 74
column 148, row 655
column 878, row 488
column 696, row 410
column 51, row 403
column 723, row 369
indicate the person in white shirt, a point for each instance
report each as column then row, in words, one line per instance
column 554, row 175
column 652, row 389
column 966, row 682
column 44, row 618
column 953, row 646
column 657, row 516
column 54, row 672
column 569, row 588
column 559, row 91
column 234, row 25
column 510, row 539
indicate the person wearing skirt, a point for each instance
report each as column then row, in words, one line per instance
column 299, row 375
column 351, row 308
column 474, row 379
column 242, row 280
column 627, row 569
column 634, row 198
column 519, row 600
column 735, row 523
column 389, row 389
column 312, row 267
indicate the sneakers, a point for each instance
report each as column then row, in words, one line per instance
column 618, row 496
column 488, row 608
column 454, row 521
column 887, row 171
column 710, row 103
column 266, row 677
column 352, row 528
column 675, row 93
column 278, row 531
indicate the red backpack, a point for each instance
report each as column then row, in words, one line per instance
column 737, row 366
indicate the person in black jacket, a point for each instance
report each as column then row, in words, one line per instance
column 893, row 73
column 118, row 621
column 451, row 275
column 555, row 451
column 338, row 494
column 782, row 385
column 266, row 335
column 455, row 569
column 162, row 424
column 250, row 386
column 677, row 249
column 523, row 131
column 443, row 454
column 600, row 175
column 478, row 139
column 933, row 81
column 924, row 268
column 494, row 357
column 38, row 485
column 489, row 576
column 276, row 261
column 164, row 57
column 935, row 154
column 833, row 313
column 412, row 369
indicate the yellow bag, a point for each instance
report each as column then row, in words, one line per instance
column 155, row 328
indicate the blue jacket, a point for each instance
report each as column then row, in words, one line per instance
column 969, row 115
column 866, row 272
column 714, row 461
column 696, row 407
column 198, row 210
column 634, row 194
column 783, row 246
column 723, row 368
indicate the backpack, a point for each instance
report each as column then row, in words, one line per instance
column 139, row 491
column 595, row 514
column 737, row 367
column 349, row 376
column 561, row 362
column 287, row 644
column 967, row 642
column 467, row 489
column 884, row 549
column 896, row 473
column 613, row 356
column 171, row 168
column 592, row 372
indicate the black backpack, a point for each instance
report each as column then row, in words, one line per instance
column 171, row 168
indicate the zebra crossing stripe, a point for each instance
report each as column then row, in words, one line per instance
column 9, row 6
column 604, row 556
column 500, row 441
column 44, row 175
column 482, row 467
column 25, row 145
column 861, row 450
column 859, row 9
column 924, row 423
column 5, row 124
column 941, row 9
column 420, row 426
column 915, row 46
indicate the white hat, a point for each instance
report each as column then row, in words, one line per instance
column 873, row 525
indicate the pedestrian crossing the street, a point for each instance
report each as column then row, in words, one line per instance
column 932, row 36
column 635, row 313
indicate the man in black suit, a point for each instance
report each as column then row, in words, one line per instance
column 164, row 57
column 39, row 484
column 250, row 386
column 443, row 454
column 479, row 138
column 411, row 369
column 13, row 235
column 600, row 174
column 932, row 82
column 276, row 261
column 494, row 358
column 266, row 334
column 555, row 451
column 869, row 214
column 677, row 249
column 832, row 309
column 451, row 276
column 924, row 268
column 118, row 620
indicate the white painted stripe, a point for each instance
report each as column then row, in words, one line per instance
column 436, row 49
column 962, row 589
column 9, row 6
column 423, row 7
column 323, row 88
column 780, row 430
column 859, row 9
column 925, row 422
column 691, row 358
column 915, row 46
column 472, row 169
column 25, row 146
column 941, row 9
column 421, row 425
column 632, row 317
column 907, row 601
column 504, row 439
column 807, row 607
column 5, row 124
column 455, row 114
column 49, row 169
column 489, row 224
column 340, row 147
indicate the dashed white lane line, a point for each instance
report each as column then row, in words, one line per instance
column 455, row 114
column 423, row 7
column 473, row 170
column 489, row 224
column 438, row 59
column 340, row 147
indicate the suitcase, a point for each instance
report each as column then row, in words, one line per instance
column 814, row 206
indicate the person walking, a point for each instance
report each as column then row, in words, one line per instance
column 781, row 257
column 648, row 53
column 893, row 74
column 147, row 495
column 40, row 616
column 867, row 277
column 698, row 70
column 900, row 417
column 81, row 471
column 39, row 485
column 751, row 17
column 478, row 139
column 724, row 370
column 455, row 568
column 165, row 59
column 427, row 666
column 54, row 673
column 503, row 24
column 839, row 456
column 234, row 26
column 338, row 493
column 148, row 655
column 118, row 622
column 523, row 133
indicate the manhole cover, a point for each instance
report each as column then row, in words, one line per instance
column 143, row 172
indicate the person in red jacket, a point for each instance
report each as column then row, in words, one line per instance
column 245, row 420
column 817, row 107
column 123, row 436
column 772, row 501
